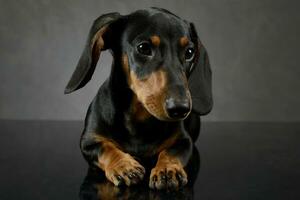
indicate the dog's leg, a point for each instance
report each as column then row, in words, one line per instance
column 119, row 167
column 169, row 171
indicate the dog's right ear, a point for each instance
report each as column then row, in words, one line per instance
column 98, row 39
column 200, row 80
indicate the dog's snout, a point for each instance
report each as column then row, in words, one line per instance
column 177, row 109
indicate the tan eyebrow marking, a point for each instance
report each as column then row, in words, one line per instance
column 183, row 41
column 155, row 40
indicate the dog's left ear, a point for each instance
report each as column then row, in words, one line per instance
column 100, row 38
column 200, row 83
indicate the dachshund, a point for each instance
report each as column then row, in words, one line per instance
column 149, row 108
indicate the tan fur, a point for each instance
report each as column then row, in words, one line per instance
column 151, row 92
column 115, row 162
column 125, row 66
column 155, row 40
column 165, row 158
column 183, row 41
column 98, row 42
column 110, row 151
column 170, row 166
column 138, row 110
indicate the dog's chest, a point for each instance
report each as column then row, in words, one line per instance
column 144, row 138
column 150, row 129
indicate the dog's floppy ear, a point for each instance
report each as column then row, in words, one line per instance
column 200, row 83
column 98, row 39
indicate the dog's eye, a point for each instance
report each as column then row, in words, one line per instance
column 144, row 48
column 189, row 54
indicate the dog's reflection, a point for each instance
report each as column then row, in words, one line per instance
column 95, row 186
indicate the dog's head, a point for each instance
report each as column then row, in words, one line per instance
column 165, row 64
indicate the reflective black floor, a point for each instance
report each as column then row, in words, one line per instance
column 42, row 160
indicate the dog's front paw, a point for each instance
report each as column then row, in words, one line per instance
column 167, row 176
column 125, row 170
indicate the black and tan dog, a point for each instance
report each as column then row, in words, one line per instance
column 149, row 107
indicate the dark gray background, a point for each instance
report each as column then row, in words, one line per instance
column 253, row 48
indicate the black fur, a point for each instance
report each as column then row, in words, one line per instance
column 109, row 114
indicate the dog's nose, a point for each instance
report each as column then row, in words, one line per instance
column 177, row 109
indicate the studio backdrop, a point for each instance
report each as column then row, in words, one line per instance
column 253, row 48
